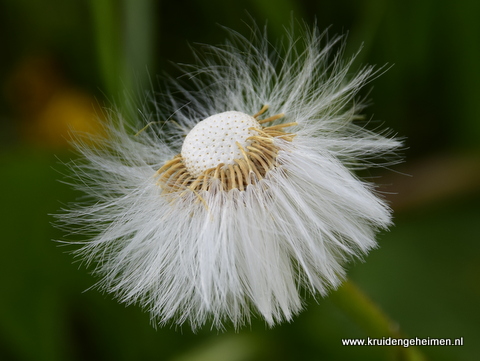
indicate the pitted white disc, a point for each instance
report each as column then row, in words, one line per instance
column 213, row 141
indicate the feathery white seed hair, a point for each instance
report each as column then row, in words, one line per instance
column 218, row 254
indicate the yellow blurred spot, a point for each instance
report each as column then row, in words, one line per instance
column 48, row 110
column 68, row 112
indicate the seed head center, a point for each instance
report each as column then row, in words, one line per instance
column 214, row 141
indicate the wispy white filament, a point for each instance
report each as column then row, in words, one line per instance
column 220, row 255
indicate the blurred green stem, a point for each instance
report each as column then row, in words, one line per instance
column 108, row 42
column 364, row 312
column 125, row 35
column 139, row 40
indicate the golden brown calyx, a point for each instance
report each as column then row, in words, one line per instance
column 258, row 156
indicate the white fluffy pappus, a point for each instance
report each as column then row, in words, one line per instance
column 245, row 234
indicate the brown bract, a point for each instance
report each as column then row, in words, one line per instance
column 258, row 159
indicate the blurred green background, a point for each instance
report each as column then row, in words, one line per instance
column 62, row 60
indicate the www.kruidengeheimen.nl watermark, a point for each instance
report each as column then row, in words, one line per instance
column 405, row 342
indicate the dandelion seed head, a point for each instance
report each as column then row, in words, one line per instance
column 255, row 205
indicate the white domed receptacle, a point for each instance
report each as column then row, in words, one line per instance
column 213, row 141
